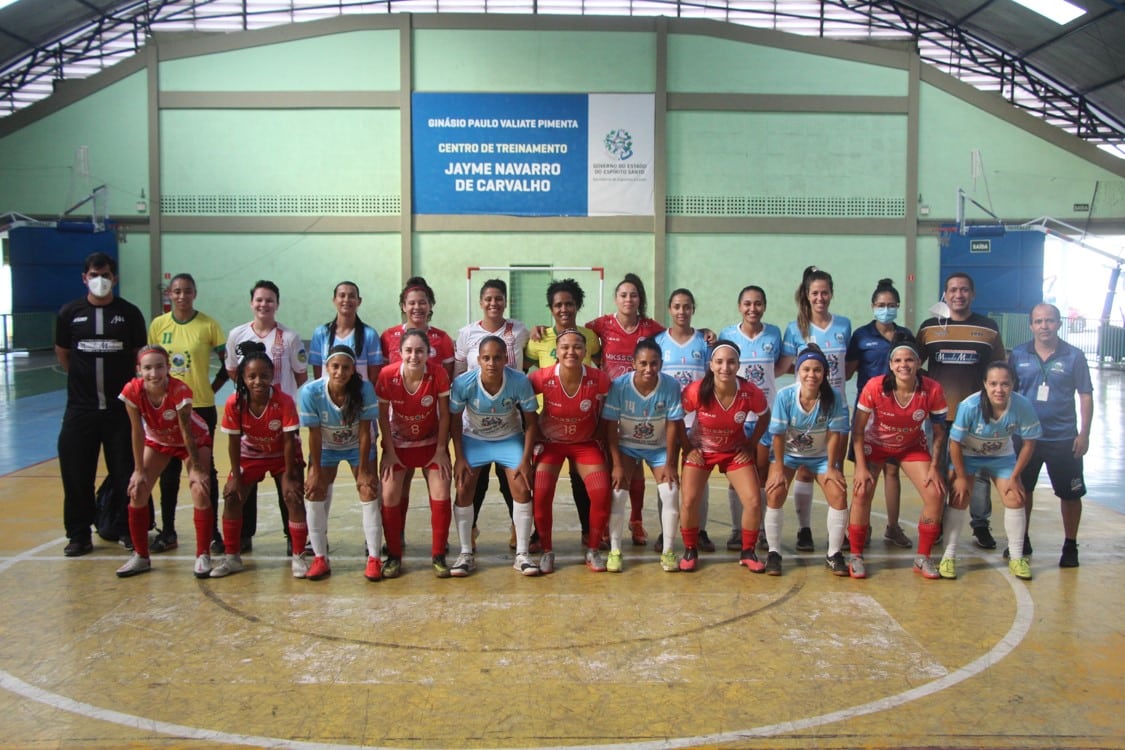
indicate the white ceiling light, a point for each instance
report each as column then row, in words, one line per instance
column 6, row 3
column 1059, row 11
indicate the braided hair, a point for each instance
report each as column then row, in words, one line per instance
column 248, row 351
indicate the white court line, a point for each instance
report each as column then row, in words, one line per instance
column 1021, row 624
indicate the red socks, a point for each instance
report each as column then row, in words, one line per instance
column 232, row 535
column 544, row 502
column 749, row 538
column 203, row 524
column 927, row 535
column 441, row 513
column 394, row 519
column 138, row 529
column 690, row 536
column 597, row 486
column 857, row 538
column 299, row 536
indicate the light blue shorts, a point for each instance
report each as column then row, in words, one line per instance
column 816, row 464
column 654, row 457
column 333, row 457
column 997, row 466
column 507, row 452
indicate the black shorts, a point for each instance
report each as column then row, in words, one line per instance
column 1063, row 468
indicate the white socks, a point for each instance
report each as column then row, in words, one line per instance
column 802, row 501
column 463, row 518
column 1015, row 526
column 316, row 515
column 372, row 527
column 522, row 517
column 837, row 527
column 773, row 523
column 669, row 495
column 953, row 522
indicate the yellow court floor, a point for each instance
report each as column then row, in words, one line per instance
column 643, row 659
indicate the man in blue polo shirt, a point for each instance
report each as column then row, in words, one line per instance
column 1050, row 373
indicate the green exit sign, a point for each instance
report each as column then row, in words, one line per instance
column 980, row 246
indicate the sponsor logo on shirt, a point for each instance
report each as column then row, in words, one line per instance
column 957, row 357
column 100, row 346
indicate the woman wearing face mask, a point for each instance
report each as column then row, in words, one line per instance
column 867, row 357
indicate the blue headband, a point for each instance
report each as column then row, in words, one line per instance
column 808, row 354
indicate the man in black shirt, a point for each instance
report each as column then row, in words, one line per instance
column 96, row 342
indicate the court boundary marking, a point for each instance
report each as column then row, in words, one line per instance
column 1021, row 625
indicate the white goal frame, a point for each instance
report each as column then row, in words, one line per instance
column 470, row 270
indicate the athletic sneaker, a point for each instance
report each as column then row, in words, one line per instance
column 526, row 566
column 947, row 568
column 925, row 567
column 836, row 564
column 896, row 536
column 668, row 562
column 763, row 543
column 595, row 561
column 734, row 541
column 982, row 537
column 441, row 568
column 613, row 562
column 392, row 566
column 1069, row 558
column 1026, row 548
column 373, row 571
column 690, row 561
column 163, row 542
column 230, row 564
column 637, row 529
column 300, row 565
column 126, row 543
column 705, row 543
column 319, row 568
column 135, row 565
column 203, row 566
column 856, row 568
column 78, row 547
column 547, row 562
column 1021, row 568
column 749, row 558
column 804, row 540
column 773, row 564
column 463, row 565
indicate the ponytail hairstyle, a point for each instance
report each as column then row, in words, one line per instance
column 804, row 307
column 902, row 339
column 707, row 383
column 153, row 349
column 985, row 405
column 493, row 339
column 651, row 345
column 885, row 285
column 360, row 328
column 827, row 396
column 248, row 351
column 635, row 280
column 681, row 291
column 752, row 288
column 353, row 389
column 417, row 284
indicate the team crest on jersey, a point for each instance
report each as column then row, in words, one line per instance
column 169, row 414
column 697, row 355
column 918, row 415
column 990, row 447
column 768, row 347
column 755, row 374
column 739, row 417
column 585, row 405
column 489, row 424
column 427, row 401
column 799, row 443
column 179, row 361
column 644, row 431
column 507, row 403
column 867, row 449
column 661, row 406
column 274, row 425
column 341, row 436
column 839, row 337
column 302, row 356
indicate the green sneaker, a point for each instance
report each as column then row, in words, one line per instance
column 613, row 563
column 948, row 568
column 441, row 567
column 392, row 567
column 1020, row 568
column 668, row 562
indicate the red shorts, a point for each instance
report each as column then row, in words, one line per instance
column 725, row 461
column 587, row 453
column 880, row 455
column 416, row 457
column 177, row 451
column 254, row 470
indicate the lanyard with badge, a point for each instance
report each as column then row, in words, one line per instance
column 1043, row 391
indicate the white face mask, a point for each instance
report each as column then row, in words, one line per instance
column 99, row 286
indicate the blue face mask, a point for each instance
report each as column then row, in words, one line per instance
column 886, row 314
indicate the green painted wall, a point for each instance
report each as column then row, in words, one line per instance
column 280, row 152
column 352, row 61
column 716, row 267
column 1026, row 176
column 547, row 61
column 36, row 162
column 785, row 154
column 706, row 64
column 305, row 267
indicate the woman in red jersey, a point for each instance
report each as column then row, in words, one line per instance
column 723, row 402
column 414, row 425
column 570, row 424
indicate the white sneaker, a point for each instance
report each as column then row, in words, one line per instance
column 547, row 563
column 230, row 564
column 463, row 565
column 135, row 565
column 526, row 566
column 300, row 565
column 203, row 566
